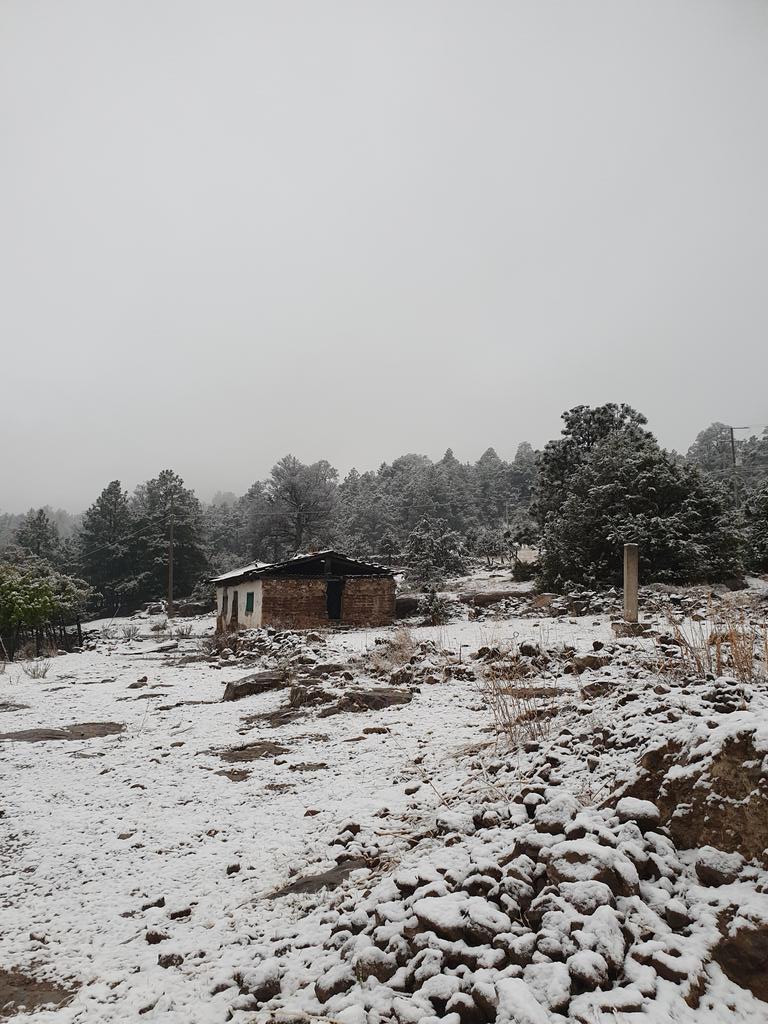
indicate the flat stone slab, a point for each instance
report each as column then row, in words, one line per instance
column 79, row 731
column 251, row 752
column 324, row 880
column 19, row 992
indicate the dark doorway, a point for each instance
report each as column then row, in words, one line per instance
column 235, row 611
column 333, row 598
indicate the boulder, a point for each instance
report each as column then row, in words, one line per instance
column 714, row 867
column 645, row 814
column 263, row 982
column 458, row 916
column 258, row 682
column 338, row 979
column 742, row 952
column 583, row 860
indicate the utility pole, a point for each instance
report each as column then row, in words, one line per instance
column 170, row 563
column 733, row 465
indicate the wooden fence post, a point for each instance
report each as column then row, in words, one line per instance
column 630, row 582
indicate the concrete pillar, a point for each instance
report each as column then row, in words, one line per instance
column 630, row 582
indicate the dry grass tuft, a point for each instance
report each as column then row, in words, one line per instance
column 36, row 669
column 522, row 712
column 725, row 643
column 393, row 652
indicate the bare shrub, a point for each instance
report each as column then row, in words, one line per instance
column 522, row 709
column 393, row 651
column 183, row 632
column 129, row 632
column 108, row 632
column 160, row 627
column 36, row 669
column 726, row 643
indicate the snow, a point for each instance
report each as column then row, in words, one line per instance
column 108, row 840
column 518, row 1004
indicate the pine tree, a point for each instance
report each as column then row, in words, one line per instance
column 756, row 530
column 627, row 489
column 38, row 535
column 105, row 544
column 152, row 506
column 433, row 551
column 584, row 428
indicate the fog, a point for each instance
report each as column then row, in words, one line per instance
column 350, row 230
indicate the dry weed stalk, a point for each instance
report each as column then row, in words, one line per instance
column 36, row 669
column 519, row 711
column 395, row 651
column 725, row 643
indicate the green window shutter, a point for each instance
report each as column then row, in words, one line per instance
column 249, row 602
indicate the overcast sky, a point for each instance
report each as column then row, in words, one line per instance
column 348, row 230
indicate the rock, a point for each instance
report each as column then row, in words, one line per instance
column 233, row 869
column 170, row 960
column 582, row 860
column 458, row 916
column 517, row 1004
column 154, row 937
column 742, row 952
column 588, row 970
column 550, row 984
column 529, row 649
column 677, row 915
column 643, row 812
column 713, row 867
column 710, row 790
column 258, row 682
column 338, row 979
column 375, row 963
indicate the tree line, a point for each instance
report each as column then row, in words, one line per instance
column 604, row 481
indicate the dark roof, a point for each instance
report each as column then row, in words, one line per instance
column 318, row 563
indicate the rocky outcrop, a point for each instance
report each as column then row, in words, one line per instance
column 711, row 787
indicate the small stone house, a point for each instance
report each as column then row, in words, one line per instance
column 305, row 592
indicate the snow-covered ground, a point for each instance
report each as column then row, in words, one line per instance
column 139, row 875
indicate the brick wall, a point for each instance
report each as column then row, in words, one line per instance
column 301, row 603
column 295, row 604
column 368, row 601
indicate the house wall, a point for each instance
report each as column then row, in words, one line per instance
column 368, row 601
column 244, row 621
column 302, row 604
column 294, row 603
